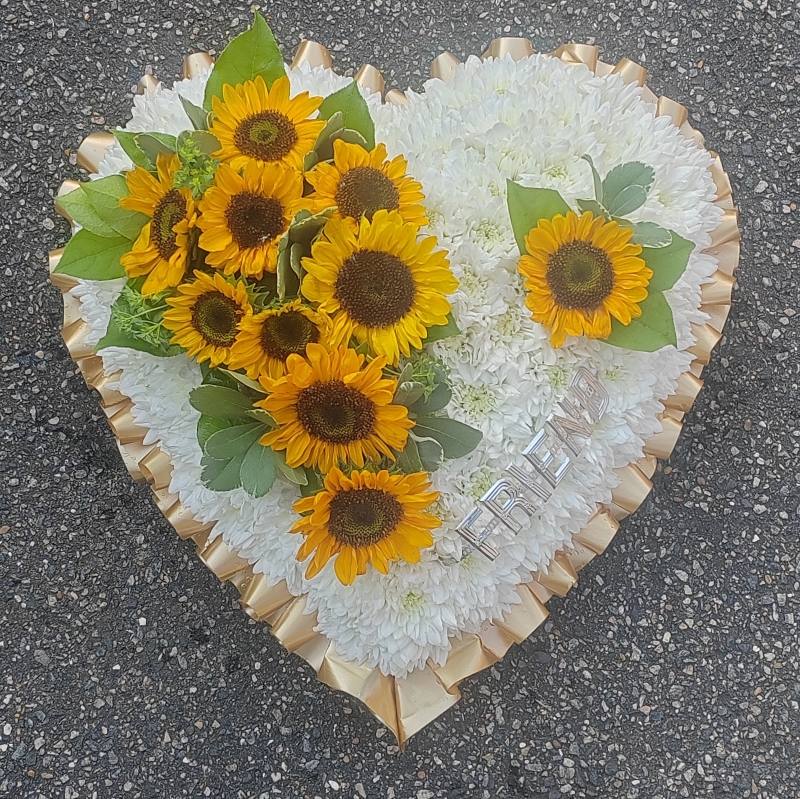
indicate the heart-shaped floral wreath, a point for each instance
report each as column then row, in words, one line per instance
column 398, row 368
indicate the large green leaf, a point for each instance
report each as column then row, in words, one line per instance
column 197, row 116
column 431, row 453
column 254, row 52
column 438, row 399
column 527, row 206
column 653, row 330
column 408, row 393
column 408, row 460
column 127, row 141
column 258, row 470
column 619, row 180
column 208, row 425
column 155, row 144
column 92, row 257
column 593, row 207
column 222, row 475
column 457, row 439
column 354, row 110
column 668, row 263
column 95, row 207
column 221, row 402
column 627, row 201
column 232, row 441
column 649, row 234
column 77, row 205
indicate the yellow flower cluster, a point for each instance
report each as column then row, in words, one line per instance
column 369, row 289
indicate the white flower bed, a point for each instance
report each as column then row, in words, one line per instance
column 530, row 121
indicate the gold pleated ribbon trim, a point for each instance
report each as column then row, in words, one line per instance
column 406, row 705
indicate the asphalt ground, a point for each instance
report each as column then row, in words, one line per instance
column 671, row 670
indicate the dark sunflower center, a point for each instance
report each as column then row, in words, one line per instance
column 287, row 333
column 335, row 413
column 375, row 288
column 580, row 275
column 216, row 317
column 364, row 190
column 363, row 516
column 268, row 136
column 169, row 210
column 254, row 220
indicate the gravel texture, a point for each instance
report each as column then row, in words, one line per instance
column 671, row 670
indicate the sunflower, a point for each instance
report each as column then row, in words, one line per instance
column 359, row 183
column 205, row 316
column 379, row 283
column 267, row 339
column 244, row 216
column 253, row 122
column 330, row 408
column 162, row 248
column 366, row 518
column 581, row 271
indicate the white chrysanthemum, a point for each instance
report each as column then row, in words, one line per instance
column 529, row 121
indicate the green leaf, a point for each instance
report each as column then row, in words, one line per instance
column 222, row 475
column 438, row 332
column 313, row 485
column 593, row 207
column 457, row 439
column 254, row 52
column 354, row 137
column 244, row 380
column 668, row 263
column 408, row 393
column 258, row 470
column 297, row 476
column 409, row 461
column 260, row 415
column 206, row 142
column 431, row 453
column 105, row 195
column 221, row 402
column 598, row 183
column 439, row 399
column 91, row 257
column 232, row 441
column 649, row 234
column 208, row 425
column 155, row 144
column 627, row 201
column 622, row 177
column 354, row 110
column 115, row 337
column 127, row 141
column 77, row 205
column 653, row 330
column 197, row 116
column 527, row 206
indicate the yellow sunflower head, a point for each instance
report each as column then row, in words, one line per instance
column 359, row 183
column 267, row 339
column 581, row 271
column 244, row 216
column 366, row 518
column 379, row 283
column 205, row 316
column 331, row 408
column 161, row 250
column 256, row 123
